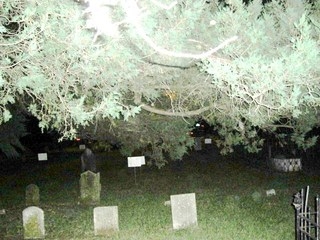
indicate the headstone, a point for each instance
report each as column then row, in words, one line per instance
column 88, row 161
column 197, row 143
column 33, row 223
column 90, row 188
column 32, row 195
column 184, row 210
column 105, row 220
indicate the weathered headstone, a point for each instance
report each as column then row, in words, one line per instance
column 198, row 143
column 184, row 210
column 88, row 161
column 90, row 188
column 33, row 223
column 105, row 220
column 32, row 195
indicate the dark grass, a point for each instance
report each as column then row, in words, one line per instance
column 224, row 192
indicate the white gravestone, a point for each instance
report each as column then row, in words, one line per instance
column 105, row 220
column 184, row 210
column 33, row 223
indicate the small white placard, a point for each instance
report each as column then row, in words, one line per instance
column 82, row 147
column 42, row 156
column 208, row 141
column 136, row 161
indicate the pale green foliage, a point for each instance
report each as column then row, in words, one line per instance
column 272, row 72
column 148, row 134
column 70, row 76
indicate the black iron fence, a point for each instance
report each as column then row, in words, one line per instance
column 307, row 220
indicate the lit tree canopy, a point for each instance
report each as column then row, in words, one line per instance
column 148, row 68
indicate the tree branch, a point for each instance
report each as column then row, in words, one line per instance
column 133, row 17
column 174, row 114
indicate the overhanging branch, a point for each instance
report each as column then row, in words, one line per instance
column 174, row 114
column 137, row 100
column 133, row 13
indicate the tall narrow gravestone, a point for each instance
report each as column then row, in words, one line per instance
column 33, row 223
column 90, row 188
column 198, row 143
column 105, row 220
column 32, row 195
column 184, row 210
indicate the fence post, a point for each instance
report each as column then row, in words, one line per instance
column 308, row 222
column 317, row 217
column 298, row 205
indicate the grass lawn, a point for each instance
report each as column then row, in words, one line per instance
column 231, row 199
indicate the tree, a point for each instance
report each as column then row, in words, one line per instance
column 125, row 64
column 10, row 134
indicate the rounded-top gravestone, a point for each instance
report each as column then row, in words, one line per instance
column 32, row 195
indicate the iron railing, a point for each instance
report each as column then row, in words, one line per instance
column 306, row 221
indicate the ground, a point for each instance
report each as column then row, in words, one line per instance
column 230, row 193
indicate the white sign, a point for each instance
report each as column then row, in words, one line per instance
column 82, row 147
column 136, row 161
column 42, row 156
column 208, row 141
